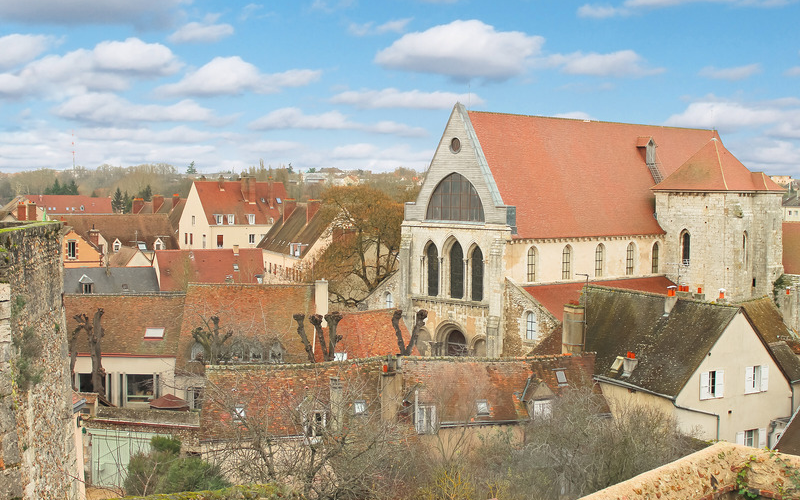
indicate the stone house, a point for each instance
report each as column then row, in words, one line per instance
column 511, row 201
column 224, row 214
column 708, row 364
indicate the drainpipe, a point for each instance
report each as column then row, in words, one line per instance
column 699, row 411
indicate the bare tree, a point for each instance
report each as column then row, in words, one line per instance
column 419, row 324
column 301, row 332
column 210, row 338
column 94, row 332
column 328, row 348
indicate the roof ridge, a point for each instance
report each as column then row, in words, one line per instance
column 719, row 163
column 589, row 120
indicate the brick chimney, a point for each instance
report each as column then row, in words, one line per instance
column 138, row 204
column 94, row 236
column 158, row 202
column 249, row 189
column 289, row 204
column 221, row 182
column 312, row 209
column 572, row 334
column 271, row 195
column 22, row 213
column 31, row 211
column 175, row 199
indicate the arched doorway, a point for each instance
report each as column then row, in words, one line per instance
column 456, row 344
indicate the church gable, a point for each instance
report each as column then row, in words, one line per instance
column 459, row 186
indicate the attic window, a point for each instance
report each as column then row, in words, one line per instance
column 87, row 287
column 340, row 356
column 235, row 267
column 359, row 407
column 542, row 408
column 561, row 377
column 154, row 333
column 230, row 219
column 483, row 407
column 117, row 245
column 218, row 218
column 251, row 218
column 141, row 245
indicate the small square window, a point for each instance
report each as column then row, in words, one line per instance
column 251, row 238
column 239, row 413
column 154, row 333
column 359, row 407
column 483, row 407
column 235, row 267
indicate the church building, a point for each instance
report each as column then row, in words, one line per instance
column 517, row 212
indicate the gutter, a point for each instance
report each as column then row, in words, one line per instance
column 699, row 411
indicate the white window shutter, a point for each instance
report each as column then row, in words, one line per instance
column 720, row 384
column 749, row 372
column 764, row 377
column 740, row 438
column 762, row 437
column 704, row 385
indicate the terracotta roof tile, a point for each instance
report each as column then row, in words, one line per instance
column 554, row 297
column 125, row 319
column 126, row 228
column 178, row 268
column 714, row 168
column 574, row 178
column 231, row 200
column 296, row 229
column 63, row 204
column 367, row 334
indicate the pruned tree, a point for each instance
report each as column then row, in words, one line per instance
column 328, row 347
column 212, row 341
column 419, row 324
column 72, row 344
column 94, row 333
column 301, row 332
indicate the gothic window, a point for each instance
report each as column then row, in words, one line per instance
column 654, row 263
column 566, row 263
column 456, row 344
column 432, row 256
column 389, row 300
column 685, row 248
column 476, row 268
column 629, row 259
column 532, row 256
column 599, row 260
column 455, row 199
column 456, row 271
column 531, row 326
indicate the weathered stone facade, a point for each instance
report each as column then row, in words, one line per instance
column 735, row 241
column 36, row 421
column 516, row 305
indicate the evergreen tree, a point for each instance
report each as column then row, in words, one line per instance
column 146, row 194
column 117, row 202
column 71, row 188
column 54, row 189
column 191, row 170
column 127, row 203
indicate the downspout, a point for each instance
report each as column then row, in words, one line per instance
column 699, row 411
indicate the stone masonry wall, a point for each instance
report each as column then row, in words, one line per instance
column 37, row 455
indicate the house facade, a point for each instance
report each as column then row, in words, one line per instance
column 513, row 201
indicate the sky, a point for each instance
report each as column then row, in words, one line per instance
column 359, row 84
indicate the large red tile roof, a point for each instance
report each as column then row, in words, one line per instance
column 714, row 168
column 177, row 268
column 554, row 297
column 67, row 204
column 260, row 312
column 791, row 247
column 370, row 333
column 125, row 319
column 127, row 228
column 575, row 178
column 231, row 200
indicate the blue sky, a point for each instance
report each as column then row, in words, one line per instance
column 370, row 84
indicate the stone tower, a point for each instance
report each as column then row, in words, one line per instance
column 723, row 225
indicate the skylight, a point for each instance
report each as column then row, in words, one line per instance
column 561, row 376
column 483, row 407
column 154, row 333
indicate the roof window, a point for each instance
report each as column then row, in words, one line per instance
column 561, row 377
column 142, row 245
column 483, row 407
column 154, row 333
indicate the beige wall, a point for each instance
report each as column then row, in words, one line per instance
column 199, row 228
column 114, row 366
column 86, row 255
column 737, row 348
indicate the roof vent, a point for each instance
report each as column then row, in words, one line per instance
column 629, row 364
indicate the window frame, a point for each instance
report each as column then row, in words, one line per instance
column 566, row 262
column 456, row 261
column 218, row 219
column 251, row 219
column 425, row 419
column 599, row 260
column 476, row 272
column 686, row 247
column 756, row 379
column 531, row 326
column 541, row 409
column 231, row 220
column 445, row 202
column 533, row 256
column 712, row 384
column 630, row 259
column 72, row 249
column 654, row 258
column 432, row 268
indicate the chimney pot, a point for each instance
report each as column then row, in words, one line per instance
column 722, row 293
column 788, row 290
column 671, row 291
column 572, row 329
column 175, row 199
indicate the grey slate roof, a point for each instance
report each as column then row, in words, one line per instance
column 111, row 280
column 669, row 348
column 768, row 323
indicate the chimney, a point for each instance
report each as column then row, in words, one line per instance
column 31, row 211
column 249, row 189
column 573, row 325
column 221, row 182
column 321, row 297
column 289, row 205
column 158, row 202
column 270, row 195
column 22, row 213
column 175, row 199
column 629, row 364
column 312, row 209
column 138, row 205
column 722, row 298
column 94, row 236
column 670, row 301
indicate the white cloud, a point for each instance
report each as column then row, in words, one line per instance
column 576, row 115
column 144, row 14
column 206, row 31
column 630, row 7
column 393, row 98
column 395, row 26
column 110, row 108
column 232, row 75
column 726, row 116
column 109, row 66
column 294, row 118
column 795, row 71
column 599, row 11
column 623, row 63
column 19, row 49
column 732, row 74
column 272, row 147
column 463, row 50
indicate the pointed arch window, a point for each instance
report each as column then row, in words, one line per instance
column 654, row 260
column 532, row 257
column 432, row 258
column 599, row 260
column 630, row 259
column 685, row 248
column 456, row 271
column 455, row 198
column 476, row 268
column 566, row 263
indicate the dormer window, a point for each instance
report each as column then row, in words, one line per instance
column 87, row 287
column 117, row 245
column 230, row 219
column 251, row 218
column 218, row 218
column 158, row 245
